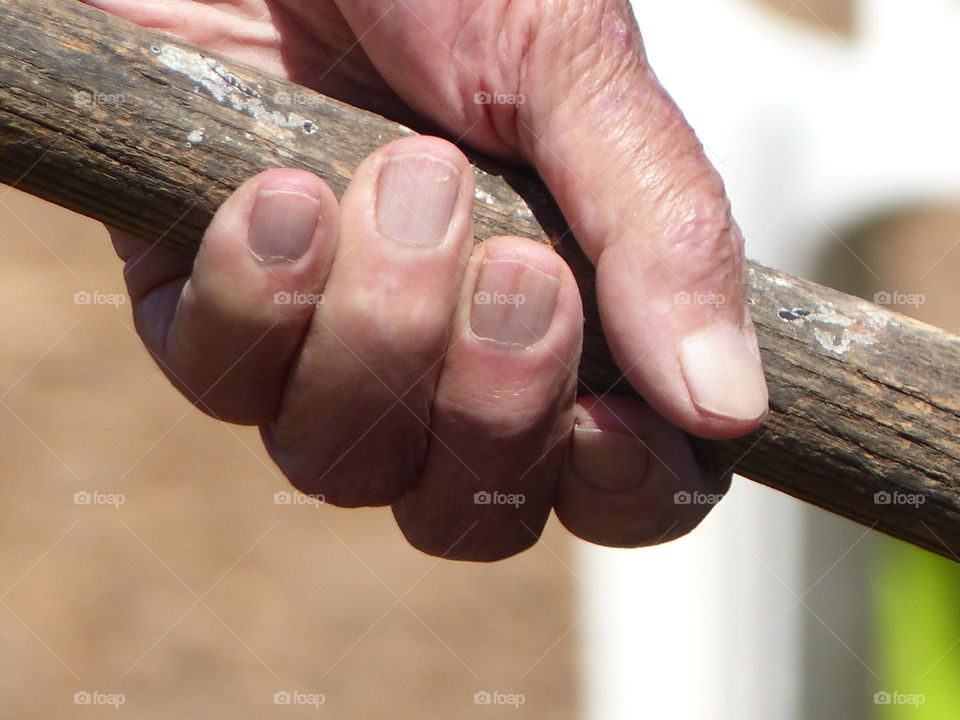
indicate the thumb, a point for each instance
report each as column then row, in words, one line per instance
column 652, row 214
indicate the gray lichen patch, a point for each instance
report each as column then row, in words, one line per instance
column 838, row 332
column 227, row 89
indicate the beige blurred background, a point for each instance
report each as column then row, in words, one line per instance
column 199, row 595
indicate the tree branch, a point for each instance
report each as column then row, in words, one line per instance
column 150, row 134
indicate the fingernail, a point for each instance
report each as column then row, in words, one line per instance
column 513, row 303
column 282, row 225
column 723, row 375
column 415, row 198
column 608, row 460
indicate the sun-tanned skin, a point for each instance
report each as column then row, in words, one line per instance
column 406, row 385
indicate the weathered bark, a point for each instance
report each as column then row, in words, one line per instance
column 150, row 134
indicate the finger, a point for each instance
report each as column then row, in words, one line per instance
column 226, row 332
column 356, row 412
column 503, row 407
column 630, row 478
column 148, row 268
column 652, row 213
column 243, row 31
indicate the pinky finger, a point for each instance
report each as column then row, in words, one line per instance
column 630, row 478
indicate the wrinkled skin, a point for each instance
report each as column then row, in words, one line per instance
column 397, row 389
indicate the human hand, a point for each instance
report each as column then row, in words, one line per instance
column 386, row 392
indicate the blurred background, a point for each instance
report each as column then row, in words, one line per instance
column 834, row 123
column 155, row 563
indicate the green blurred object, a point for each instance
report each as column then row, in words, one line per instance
column 917, row 596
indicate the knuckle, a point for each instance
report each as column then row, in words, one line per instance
column 505, row 416
column 592, row 46
column 630, row 526
column 373, row 487
column 706, row 247
column 467, row 541
column 355, row 469
column 391, row 321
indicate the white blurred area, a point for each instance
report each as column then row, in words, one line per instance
column 763, row 611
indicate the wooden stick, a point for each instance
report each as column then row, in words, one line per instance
column 151, row 134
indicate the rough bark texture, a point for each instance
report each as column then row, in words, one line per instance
column 150, row 134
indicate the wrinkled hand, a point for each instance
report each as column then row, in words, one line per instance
column 385, row 358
